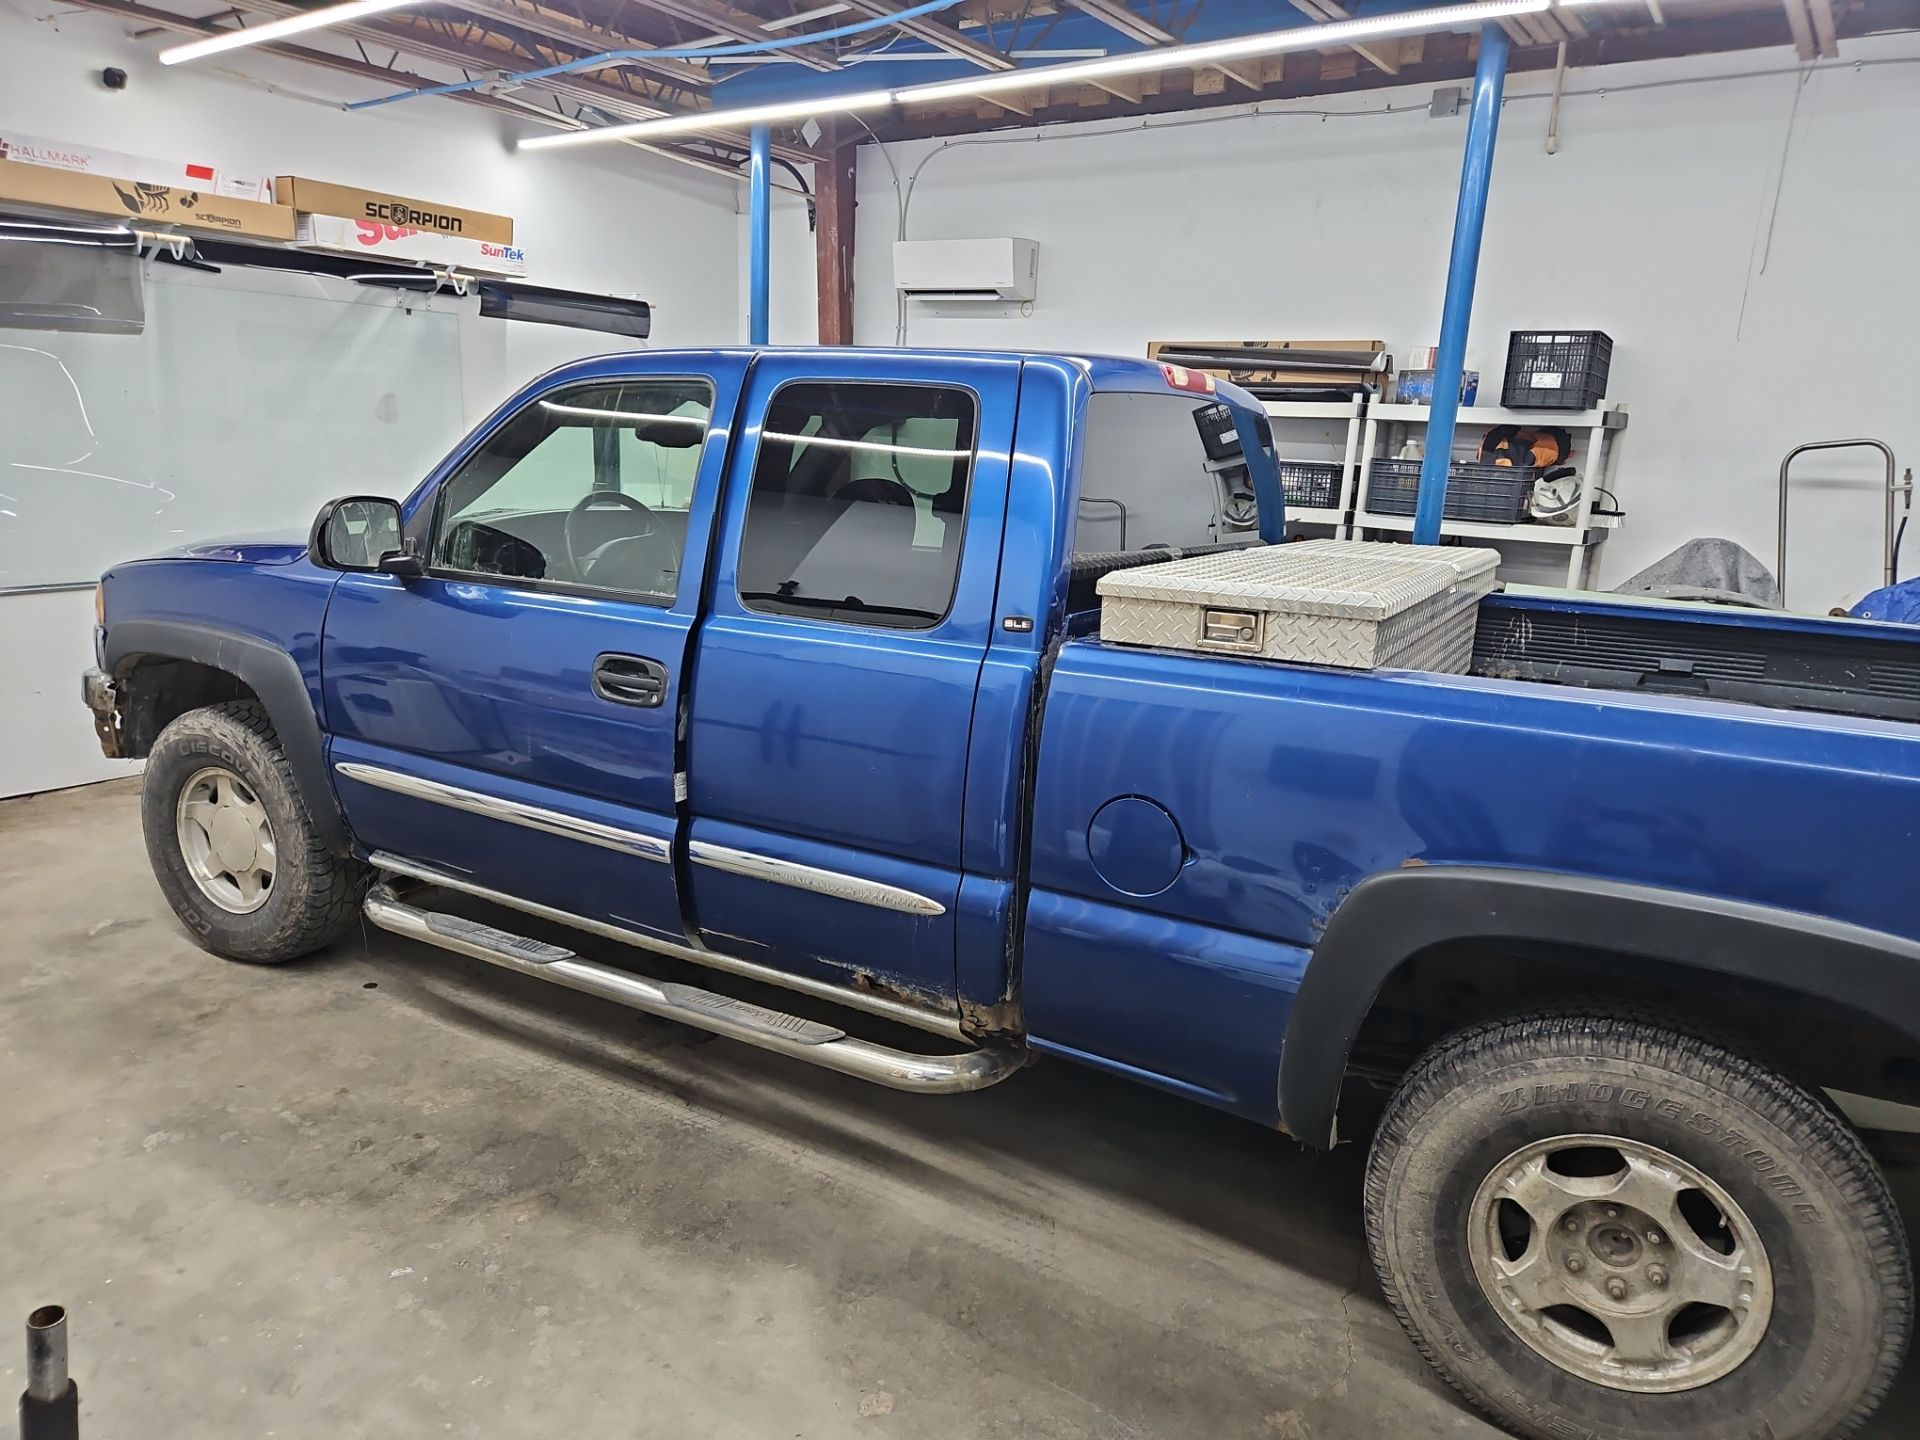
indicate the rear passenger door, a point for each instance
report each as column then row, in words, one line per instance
column 848, row 616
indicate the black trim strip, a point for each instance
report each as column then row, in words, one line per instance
column 1389, row 918
column 266, row 670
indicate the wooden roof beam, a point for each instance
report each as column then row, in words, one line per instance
column 963, row 47
column 1137, row 27
column 723, row 19
column 536, row 20
column 1826, row 35
column 1323, row 11
column 609, row 98
column 147, row 16
column 1801, row 24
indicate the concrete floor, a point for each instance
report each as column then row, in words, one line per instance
column 388, row 1191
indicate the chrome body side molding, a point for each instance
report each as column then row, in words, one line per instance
column 937, row 1022
column 806, row 877
column 532, row 817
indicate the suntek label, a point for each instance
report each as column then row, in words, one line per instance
column 371, row 233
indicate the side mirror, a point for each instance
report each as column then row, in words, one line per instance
column 362, row 533
column 401, row 563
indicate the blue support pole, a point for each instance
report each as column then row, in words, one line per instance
column 759, row 228
column 1489, row 79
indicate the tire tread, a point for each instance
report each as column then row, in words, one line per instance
column 335, row 885
column 1830, row 1142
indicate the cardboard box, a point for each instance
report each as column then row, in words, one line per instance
column 1253, row 375
column 141, row 203
column 317, row 197
column 92, row 160
column 367, row 237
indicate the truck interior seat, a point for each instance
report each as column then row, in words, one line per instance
column 649, row 562
column 869, row 548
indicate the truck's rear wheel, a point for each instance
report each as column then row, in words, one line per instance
column 1599, row 1226
column 231, row 842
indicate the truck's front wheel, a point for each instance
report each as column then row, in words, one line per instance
column 232, row 845
column 1598, row 1226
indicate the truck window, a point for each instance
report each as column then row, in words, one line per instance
column 858, row 503
column 590, row 486
column 1147, row 478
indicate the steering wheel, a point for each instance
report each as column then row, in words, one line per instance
column 592, row 499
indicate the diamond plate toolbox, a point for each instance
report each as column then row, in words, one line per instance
column 1357, row 604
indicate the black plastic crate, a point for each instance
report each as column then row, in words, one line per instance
column 1310, row 484
column 1556, row 369
column 1496, row 494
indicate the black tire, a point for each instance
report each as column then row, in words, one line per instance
column 316, row 893
column 1841, row 1276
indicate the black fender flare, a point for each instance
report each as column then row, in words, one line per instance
column 267, row 670
column 1389, row 918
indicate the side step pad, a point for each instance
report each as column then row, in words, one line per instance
column 809, row 1040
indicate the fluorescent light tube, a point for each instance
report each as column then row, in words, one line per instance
column 280, row 29
column 716, row 120
column 1212, row 52
column 1166, row 57
column 786, row 21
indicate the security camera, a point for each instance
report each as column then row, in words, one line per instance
column 113, row 78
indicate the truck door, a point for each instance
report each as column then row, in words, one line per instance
column 510, row 715
column 849, row 612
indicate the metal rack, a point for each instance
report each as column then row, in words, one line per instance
column 1388, row 425
column 1342, row 426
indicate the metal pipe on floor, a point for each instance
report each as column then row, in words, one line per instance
column 760, row 231
column 50, row 1407
column 1456, row 314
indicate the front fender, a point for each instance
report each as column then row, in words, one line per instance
column 1389, row 918
column 271, row 673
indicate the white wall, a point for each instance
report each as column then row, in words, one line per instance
column 1651, row 223
column 615, row 221
column 793, row 314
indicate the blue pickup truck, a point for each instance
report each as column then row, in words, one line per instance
column 779, row 673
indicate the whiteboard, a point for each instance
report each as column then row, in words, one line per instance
column 251, row 398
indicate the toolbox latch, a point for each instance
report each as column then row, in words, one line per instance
column 1237, row 630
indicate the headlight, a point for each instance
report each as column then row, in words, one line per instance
column 100, row 603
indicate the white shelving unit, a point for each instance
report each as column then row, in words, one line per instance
column 1594, row 431
column 1341, row 429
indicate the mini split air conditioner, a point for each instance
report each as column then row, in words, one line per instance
column 997, row 269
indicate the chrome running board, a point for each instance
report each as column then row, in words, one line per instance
column 809, row 1040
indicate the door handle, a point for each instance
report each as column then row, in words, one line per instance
column 630, row 680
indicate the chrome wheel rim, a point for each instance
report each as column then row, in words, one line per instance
column 226, row 840
column 1620, row 1263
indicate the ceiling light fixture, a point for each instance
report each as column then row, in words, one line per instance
column 1212, row 52
column 716, row 120
column 280, row 29
column 1167, row 57
column 786, row 22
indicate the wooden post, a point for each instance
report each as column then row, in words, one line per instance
column 833, row 181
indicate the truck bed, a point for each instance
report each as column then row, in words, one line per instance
column 1758, row 657
column 1650, row 646
column 1282, row 787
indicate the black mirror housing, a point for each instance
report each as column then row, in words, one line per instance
column 361, row 533
column 402, row 563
